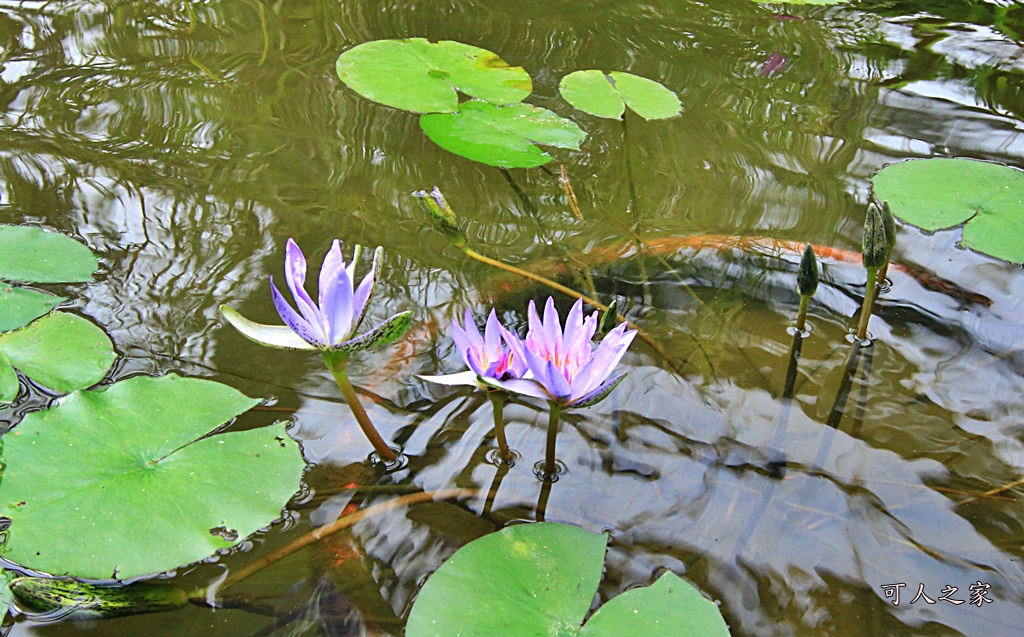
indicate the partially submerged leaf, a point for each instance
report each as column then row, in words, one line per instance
column 19, row 307
column 34, row 255
column 126, row 481
column 528, row 579
column 608, row 94
column 425, row 77
column 940, row 193
column 502, row 136
column 60, row 351
column 670, row 607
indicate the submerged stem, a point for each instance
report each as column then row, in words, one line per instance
column 337, row 362
column 498, row 403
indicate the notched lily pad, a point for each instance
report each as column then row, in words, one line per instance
column 505, row 136
column 941, row 193
column 608, row 94
column 126, row 481
column 425, row 77
column 60, row 351
column 19, row 306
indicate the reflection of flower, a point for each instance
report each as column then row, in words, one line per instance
column 329, row 324
column 565, row 368
column 484, row 355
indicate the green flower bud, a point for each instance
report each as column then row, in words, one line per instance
column 873, row 246
column 889, row 223
column 609, row 318
column 807, row 275
column 434, row 204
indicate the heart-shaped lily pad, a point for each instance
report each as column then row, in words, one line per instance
column 540, row 579
column 608, row 94
column 60, row 351
column 503, row 136
column 940, row 193
column 126, row 481
column 425, row 77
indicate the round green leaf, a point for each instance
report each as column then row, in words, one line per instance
column 425, row 77
column 607, row 95
column 668, row 608
column 501, row 136
column 37, row 256
column 528, row 579
column 124, row 481
column 19, row 307
column 60, row 351
column 939, row 193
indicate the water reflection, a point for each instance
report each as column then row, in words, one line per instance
column 186, row 142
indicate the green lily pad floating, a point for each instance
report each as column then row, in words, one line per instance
column 540, row 579
column 608, row 94
column 505, row 136
column 19, row 307
column 36, row 256
column 126, row 481
column 939, row 193
column 60, row 351
column 425, row 77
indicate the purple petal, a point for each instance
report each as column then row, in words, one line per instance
column 556, row 382
column 463, row 344
column 309, row 333
column 517, row 366
column 573, row 324
column 552, row 327
column 295, row 277
column 610, row 351
column 492, row 337
column 536, row 327
column 336, row 297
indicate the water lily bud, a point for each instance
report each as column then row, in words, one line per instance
column 807, row 275
column 889, row 223
column 434, row 204
column 873, row 244
column 609, row 318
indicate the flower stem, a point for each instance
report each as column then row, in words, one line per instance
column 337, row 362
column 498, row 404
column 801, row 317
column 550, row 469
column 869, row 301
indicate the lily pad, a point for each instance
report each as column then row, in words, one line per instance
column 540, row 579
column 425, row 77
column 940, row 193
column 503, row 136
column 19, row 307
column 34, row 255
column 126, row 481
column 608, row 94
column 60, row 351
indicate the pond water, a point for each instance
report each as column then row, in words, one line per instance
column 185, row 142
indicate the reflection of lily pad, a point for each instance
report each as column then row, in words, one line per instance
column 60, row 351
column 501, row 136
column 426, row 77
column 939, row 193
column 608, row 95
column 35, row 255
column 540, row 579
column 19, row 307
column 124, row 481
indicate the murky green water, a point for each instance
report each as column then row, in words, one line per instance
column 185, row 142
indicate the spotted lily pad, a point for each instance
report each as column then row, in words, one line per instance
column 426, row 77
column 505, row 136
column 540, row 579
column 940, row 193
column 608, row 94
column 126, row 481
column 60, row 351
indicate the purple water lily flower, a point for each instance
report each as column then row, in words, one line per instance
column 486, row 355
column 330, row 323
column 564, row 367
